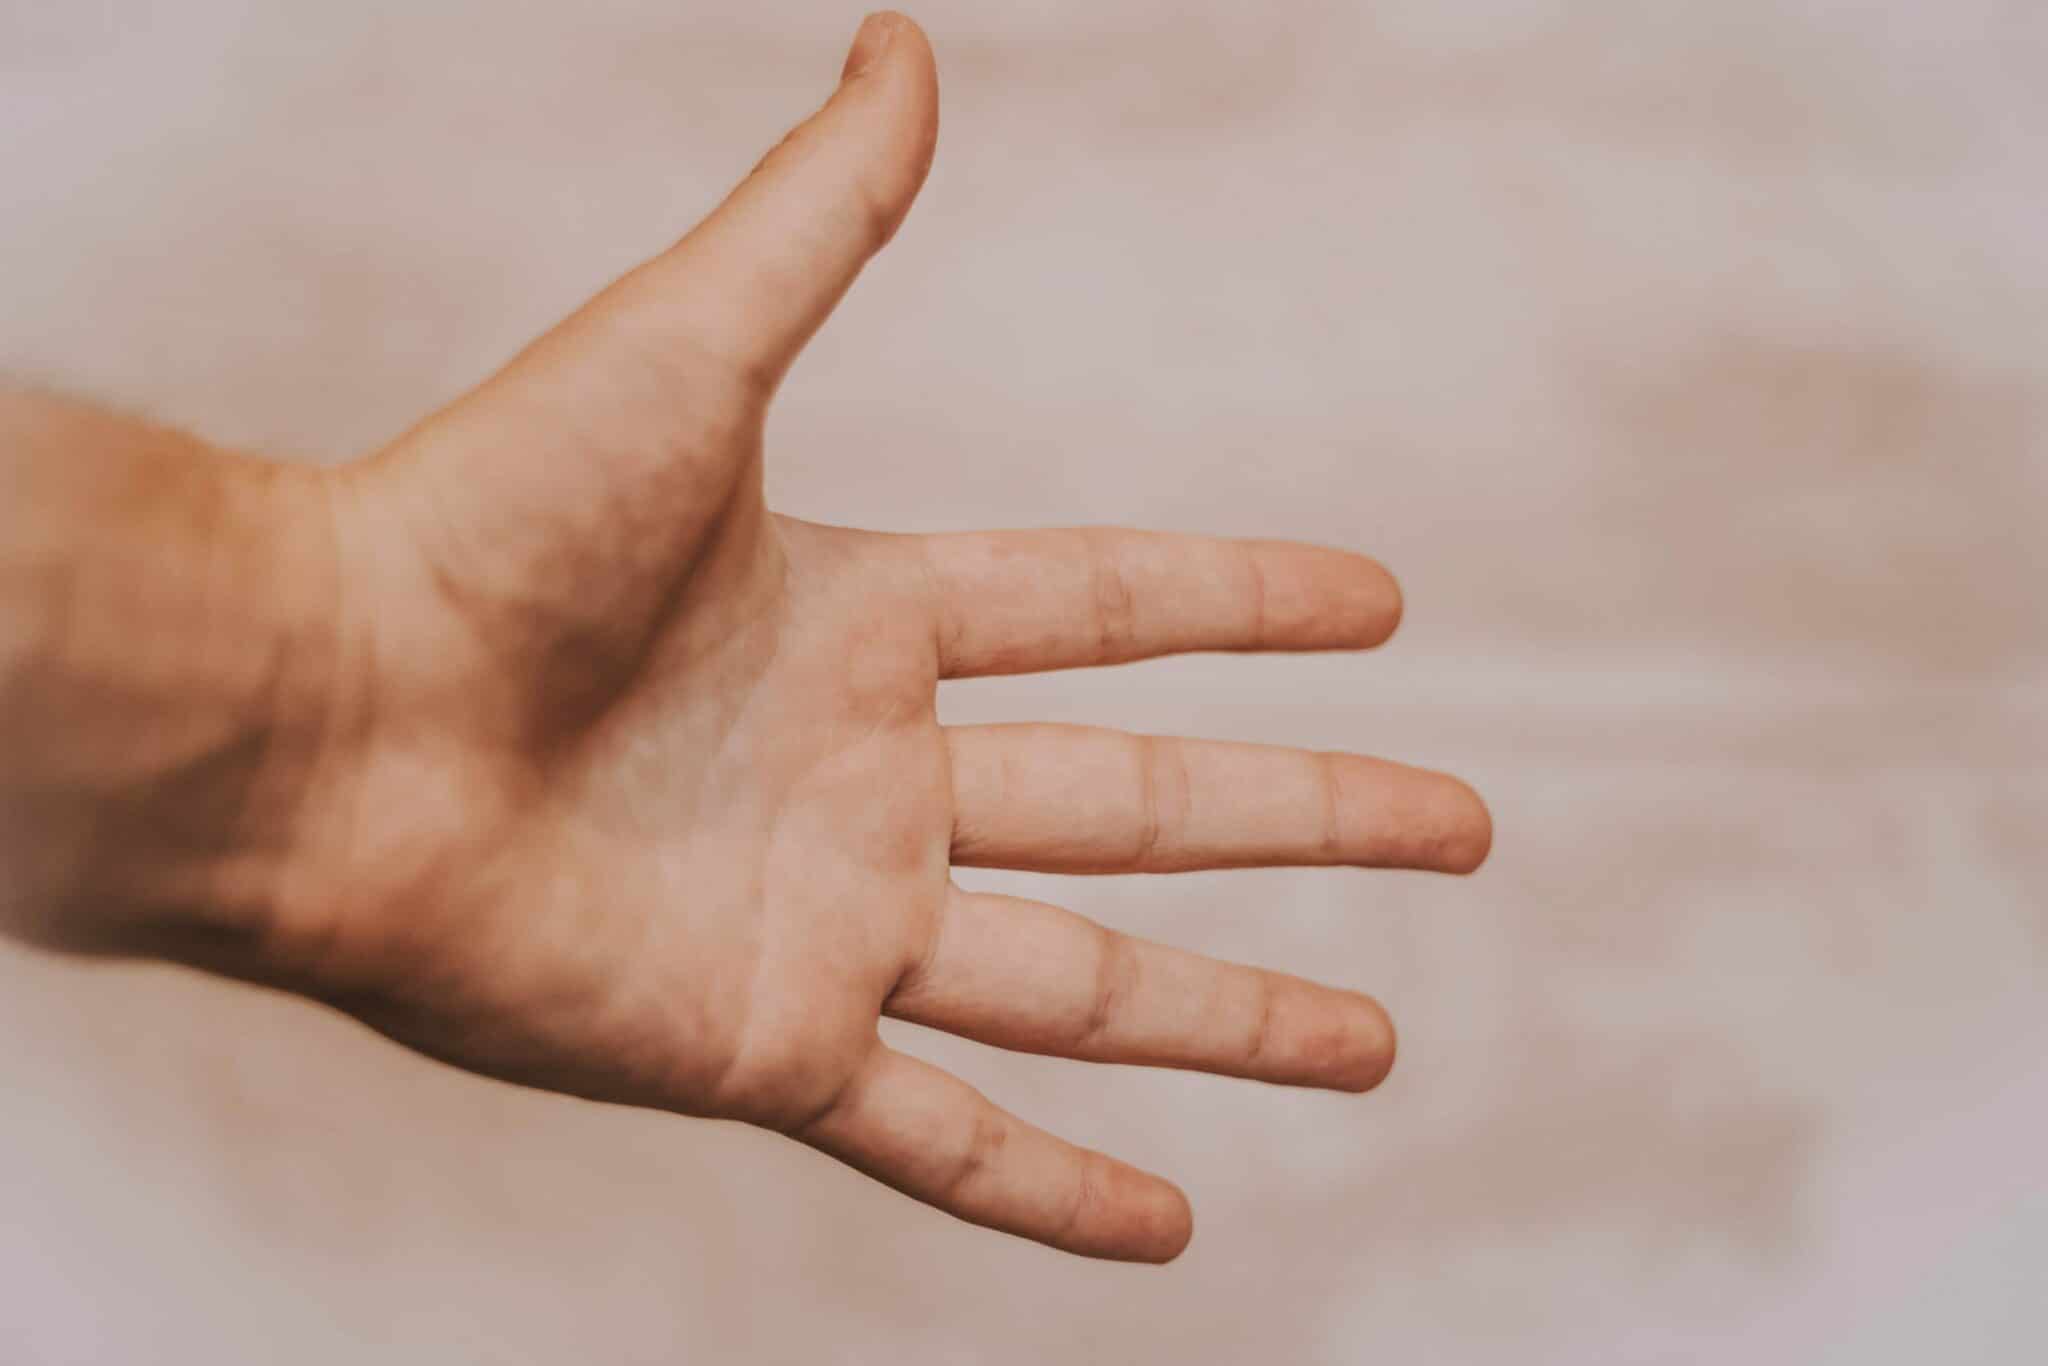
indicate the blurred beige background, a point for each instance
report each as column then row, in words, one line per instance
column 1687, row 362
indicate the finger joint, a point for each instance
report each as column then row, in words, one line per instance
column 1330, row 788
column 987, row 1135
column 1087, row 1197
column 1116, row 974
column 1164, row 796
column 1111, row 599
column 1265, row 1005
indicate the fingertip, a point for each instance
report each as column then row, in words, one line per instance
column 1357, row 602
column 1373, row 1057
column 1471, row 837
column 870, row 40
column 1384, row 603
column 886, row 41
column 1146, row 1219
column 1172, row 1225
column 891, row 63
column 1317, row 597
column 895, row 26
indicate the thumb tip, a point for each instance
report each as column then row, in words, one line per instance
column 870, row 41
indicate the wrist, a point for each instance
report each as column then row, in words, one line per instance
column 166, row 652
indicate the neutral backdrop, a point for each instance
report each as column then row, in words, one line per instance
column 1687, row 363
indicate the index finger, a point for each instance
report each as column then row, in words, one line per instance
column 1024, row 601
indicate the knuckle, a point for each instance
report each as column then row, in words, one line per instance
column 874, row 210
column 980, row 1146
column 793, row 1087
column 1330, row 841
column 1259, row 593
column 1110, row 595
column 1116, row 971
column 1164, row 794
column 1265, row 1005
column 1087, row 1197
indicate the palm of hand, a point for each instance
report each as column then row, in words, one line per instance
column 645, row 789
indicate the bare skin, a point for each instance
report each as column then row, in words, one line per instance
column 537, row 742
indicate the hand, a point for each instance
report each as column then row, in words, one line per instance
column 623, row 786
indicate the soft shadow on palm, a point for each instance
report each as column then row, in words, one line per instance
column 642, row 793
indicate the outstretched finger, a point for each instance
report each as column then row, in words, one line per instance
column 1024, row 975
column 932, row 1136
column 1022, row 601
column 1079, row 799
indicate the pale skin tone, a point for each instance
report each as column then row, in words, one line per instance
column 537, row 742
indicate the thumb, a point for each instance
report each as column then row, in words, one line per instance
column 752, row 282
column 746, row 288
column 621, row 435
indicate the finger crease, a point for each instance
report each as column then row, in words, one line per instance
column 808, row 1124
column 917, row 972
column 1110, row 592
column 1332, row 840
column 1257, row 572
column 949, row 626
column 1087, row 1193
column 1161, row 798
column 1262, row 1025
column 1115, row 973
column 1171, row 795
column 987, row 1137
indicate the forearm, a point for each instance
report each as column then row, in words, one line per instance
column 163, row 651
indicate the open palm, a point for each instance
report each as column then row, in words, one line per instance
column 636, row 790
